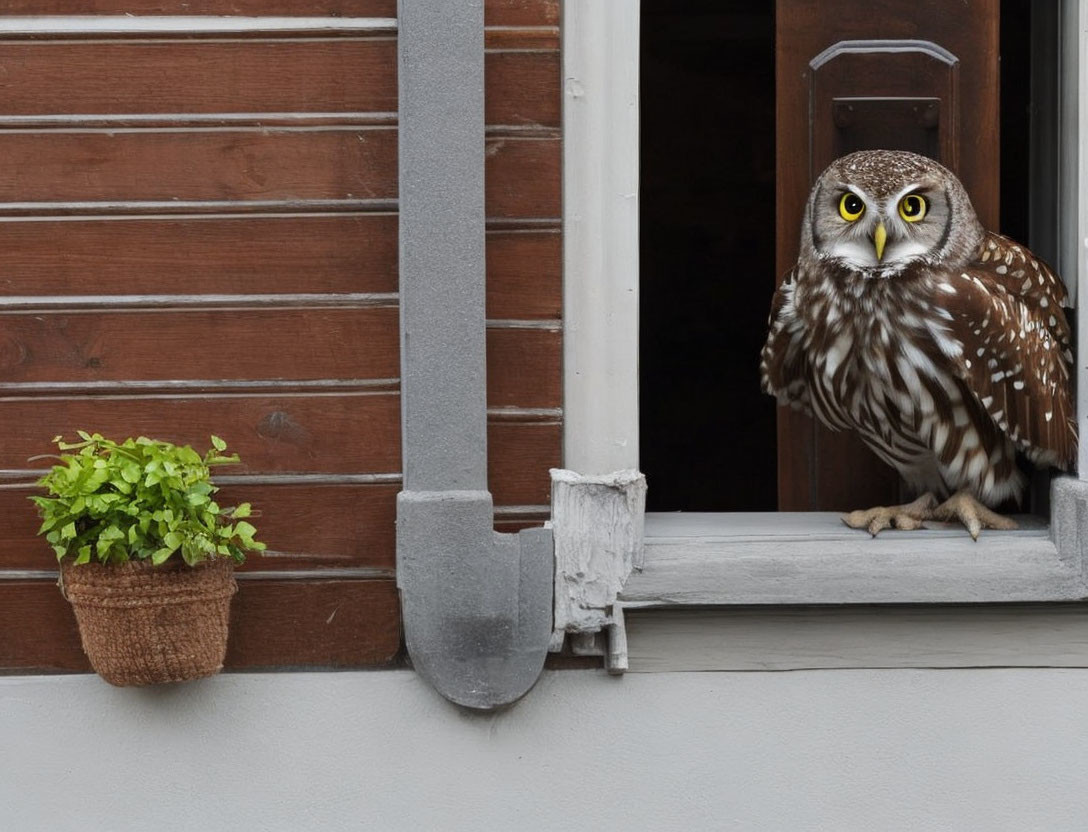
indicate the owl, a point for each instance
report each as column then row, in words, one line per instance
column 944, row 345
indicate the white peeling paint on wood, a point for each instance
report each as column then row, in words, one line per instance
column 597, row 525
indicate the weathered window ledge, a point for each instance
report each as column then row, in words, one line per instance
column 696, row 559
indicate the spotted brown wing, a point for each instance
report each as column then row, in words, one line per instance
column 1015, row 355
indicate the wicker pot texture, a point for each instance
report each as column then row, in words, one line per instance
column 144, row 625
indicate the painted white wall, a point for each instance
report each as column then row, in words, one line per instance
column 836, row 750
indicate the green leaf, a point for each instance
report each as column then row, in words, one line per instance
column 141, row 498
column 160, row 556
column 84, row 555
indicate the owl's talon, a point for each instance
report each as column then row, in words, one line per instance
column 906, row 517
column 964, row 508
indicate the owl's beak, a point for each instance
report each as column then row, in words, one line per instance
column 880, row 236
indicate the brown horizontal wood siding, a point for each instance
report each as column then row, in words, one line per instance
column 190, row 164
column 199, row 235
column 201, row 255
column 524, row 256
column 273, row 623
column 497, row 12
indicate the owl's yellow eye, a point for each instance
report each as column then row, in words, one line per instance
column 913, row 207
column 851, row 207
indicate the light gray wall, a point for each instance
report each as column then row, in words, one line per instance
column 809, row 750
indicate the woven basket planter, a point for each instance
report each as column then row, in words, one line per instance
column 145, row 625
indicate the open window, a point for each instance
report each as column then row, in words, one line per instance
column 727, row 546
column 711, row 250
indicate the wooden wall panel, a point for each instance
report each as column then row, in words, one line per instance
column 496, row 12
column 305, row 526
column 38, row 630
column 524, row 255
column 524, row 274
column 323, row 624
column 523, row 89
column 522, row 177
column 205, row 255
column 333, row 451
column 524, row 368
column 136, row 345
column 520, row 455
column 314, row 76
column 198, row 165
column 273, row 623
column 521, row 12
column 330, row 433
column 248, row 8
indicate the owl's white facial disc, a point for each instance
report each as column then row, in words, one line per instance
column 900, row 209
column 854, row 242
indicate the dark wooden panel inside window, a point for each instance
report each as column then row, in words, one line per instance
column 818, row 469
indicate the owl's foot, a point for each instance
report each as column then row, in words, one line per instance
column 974, row 515
column 909, row 516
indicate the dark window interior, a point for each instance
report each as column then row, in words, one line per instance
column 707, row 241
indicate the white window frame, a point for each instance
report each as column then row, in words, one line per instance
column 745, row 559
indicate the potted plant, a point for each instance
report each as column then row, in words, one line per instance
column 146, row 554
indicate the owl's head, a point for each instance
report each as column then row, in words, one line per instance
column 878, row 211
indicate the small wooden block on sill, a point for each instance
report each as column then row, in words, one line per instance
column 698, row 559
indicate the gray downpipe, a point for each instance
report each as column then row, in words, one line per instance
column 477, row 605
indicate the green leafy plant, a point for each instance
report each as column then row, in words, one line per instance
column 140, row 499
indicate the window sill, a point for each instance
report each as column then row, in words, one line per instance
column 794, row 591
column 695, row 559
